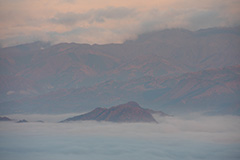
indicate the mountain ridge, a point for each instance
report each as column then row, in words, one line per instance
column 195, row 91
column 39, row 76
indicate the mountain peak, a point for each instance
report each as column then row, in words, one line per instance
column 128, row 112
column 133, row 103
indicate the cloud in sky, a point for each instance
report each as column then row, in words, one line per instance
column 113, row 21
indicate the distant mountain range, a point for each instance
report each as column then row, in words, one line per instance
column 213, row 90
column 129, row 112
column 174, row 70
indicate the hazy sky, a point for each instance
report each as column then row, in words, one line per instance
column 106, row 21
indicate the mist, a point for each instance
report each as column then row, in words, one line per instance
column 191, row 137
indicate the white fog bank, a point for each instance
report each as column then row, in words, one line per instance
column 173, row 138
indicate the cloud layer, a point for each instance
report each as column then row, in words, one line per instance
column 221, row 129
column 107, row 21
column 209, row 138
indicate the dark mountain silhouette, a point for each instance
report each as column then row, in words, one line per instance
column 5, row 119
column 22, row 121
column 129, row 112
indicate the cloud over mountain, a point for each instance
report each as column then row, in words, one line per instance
column 98, row 16
column 56, row 20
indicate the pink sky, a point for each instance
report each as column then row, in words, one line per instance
column 107, row 21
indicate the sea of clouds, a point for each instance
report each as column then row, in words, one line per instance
column 172, row 138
